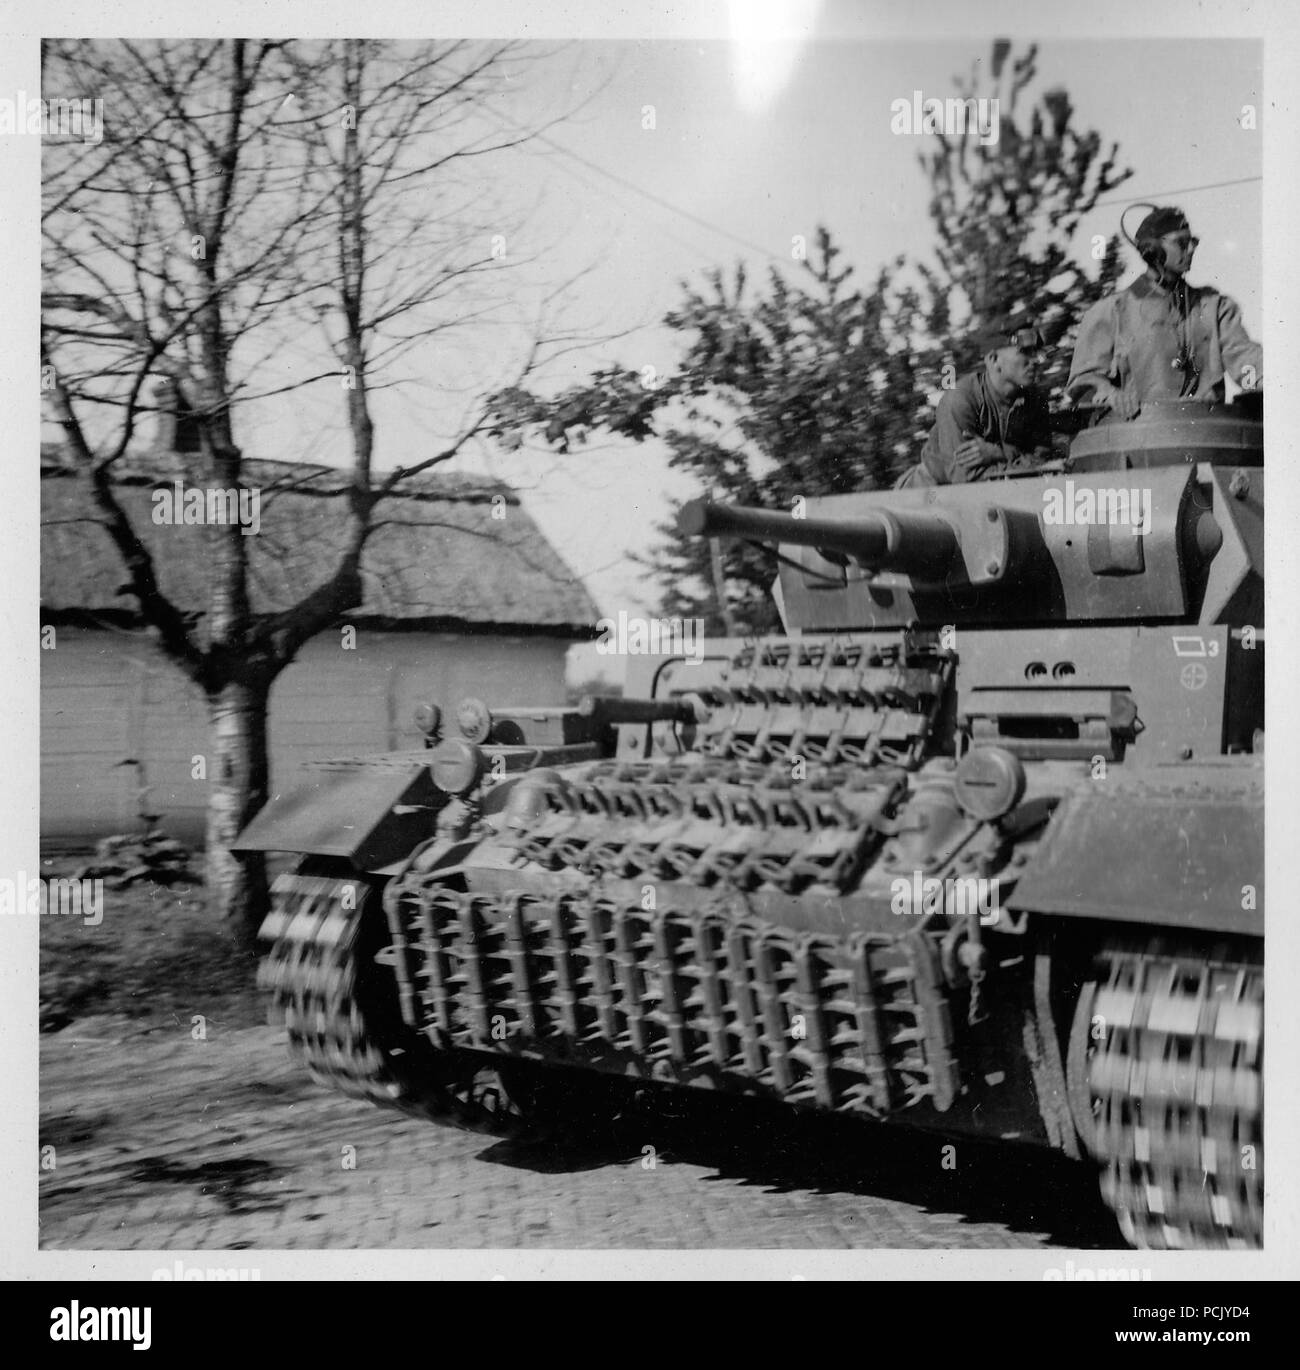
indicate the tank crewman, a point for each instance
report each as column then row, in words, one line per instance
column 1162, row 338
column 995, row 419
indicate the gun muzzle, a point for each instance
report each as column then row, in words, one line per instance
column 914, row 543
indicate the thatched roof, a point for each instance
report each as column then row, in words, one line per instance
column 440, row 560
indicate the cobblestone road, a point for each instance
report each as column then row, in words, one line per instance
column 161, row 1142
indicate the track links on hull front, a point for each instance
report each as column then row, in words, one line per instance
column 319, row 953
column 854, row 1024
column 1174, row 1075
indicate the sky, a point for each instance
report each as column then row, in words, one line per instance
column 684, row 155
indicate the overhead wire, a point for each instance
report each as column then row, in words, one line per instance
column 702, row 222
column 650, row 195
column 741, row 241
column 1185, row 190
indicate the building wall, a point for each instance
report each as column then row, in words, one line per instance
column 107, row 699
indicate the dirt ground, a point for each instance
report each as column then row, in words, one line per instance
column 177, row 1121
column 156, row 954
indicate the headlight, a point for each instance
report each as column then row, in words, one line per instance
column 990, row 782
column 456, row 765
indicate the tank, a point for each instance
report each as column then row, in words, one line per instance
column 974, row 846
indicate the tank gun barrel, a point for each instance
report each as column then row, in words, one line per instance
column 609, row 709
column 915, row 543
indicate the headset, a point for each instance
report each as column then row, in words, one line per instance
column 1151, row 250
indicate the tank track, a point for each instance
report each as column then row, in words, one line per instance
column 325, row 931
column 1165, row 1061
column 1167, row 1054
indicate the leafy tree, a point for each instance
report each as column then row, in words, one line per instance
column 810, row 388
column 1005, row 216
column 791, row 393
column 814, row 387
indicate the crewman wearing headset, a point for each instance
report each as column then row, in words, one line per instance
column 1162, row 338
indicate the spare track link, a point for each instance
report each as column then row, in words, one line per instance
column 323, row 941
column 1173, row 1037
column 694, row 998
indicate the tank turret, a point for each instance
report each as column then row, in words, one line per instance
column 1150, row 520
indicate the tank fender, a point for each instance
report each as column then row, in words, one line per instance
column 1180, row 846
column 370, row 815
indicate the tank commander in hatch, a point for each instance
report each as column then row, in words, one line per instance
column 1162, row 338
column 995, row 419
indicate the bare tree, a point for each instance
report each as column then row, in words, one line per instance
column 247, row 194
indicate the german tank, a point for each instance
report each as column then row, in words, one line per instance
column 975, row 845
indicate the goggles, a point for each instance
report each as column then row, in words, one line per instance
column 1025, row 339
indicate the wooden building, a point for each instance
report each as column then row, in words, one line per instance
column 457, row 602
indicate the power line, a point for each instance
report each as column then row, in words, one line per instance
column 767, row 252
column 656, row 199
column 592, row 186
column 1155, row 195
column 1186, row 190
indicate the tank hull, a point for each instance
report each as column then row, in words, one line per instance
column 975, row 847
column 799, row 900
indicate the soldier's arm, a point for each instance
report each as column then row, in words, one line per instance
column 957, row 419
column 1243, row 359
column 974, row 454
column 1094, row 373
column 1093, row 364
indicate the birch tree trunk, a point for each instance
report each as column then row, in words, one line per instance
column 238, row 773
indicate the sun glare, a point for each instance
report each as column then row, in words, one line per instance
column 766, row 39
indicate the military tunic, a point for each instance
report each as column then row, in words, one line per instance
column 1134, row 337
